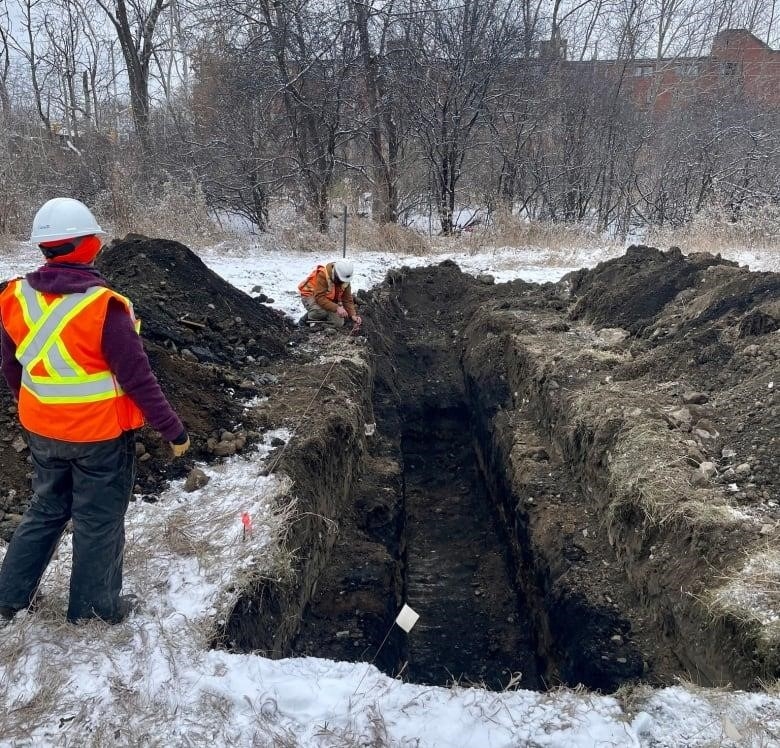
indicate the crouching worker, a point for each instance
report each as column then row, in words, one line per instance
column 73, row 359
column 327, row 295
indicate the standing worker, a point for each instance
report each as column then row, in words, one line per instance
column 75, row 363
column 326, row 295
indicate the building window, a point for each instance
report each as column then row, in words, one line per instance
column 729, row 68
column 642, row 71
column 688, row 70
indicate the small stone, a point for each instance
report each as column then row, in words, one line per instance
column 697, row 398
column 708, row 470
column 695, row 456
column 19, row 444
column 203, row 353
column 767, row 529
column 240, row 442
column 188, row 355
column 681, row 417
column 622, row 660
column 257, row 289
column 751, row 350
column 225, row 448
column 144, row 457
column 617, row 638
column 486, row 279
column 727, row 453
column 277, row 442
column 227, row 436
column 704, row 424
column 742, row 469
column 612, row 335
column 140, row 449
column 195, row 480
column 211, row 443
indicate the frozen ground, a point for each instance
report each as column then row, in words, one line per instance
column 153, row 681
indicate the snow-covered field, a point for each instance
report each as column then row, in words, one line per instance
column 153, row 681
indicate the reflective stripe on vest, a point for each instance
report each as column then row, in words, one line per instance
column 66, row 382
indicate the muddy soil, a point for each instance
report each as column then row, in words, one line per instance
column 209, row 345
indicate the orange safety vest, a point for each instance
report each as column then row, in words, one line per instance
column 68, row 391
column 309, row 285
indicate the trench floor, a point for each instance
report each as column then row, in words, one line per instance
column 473, row 626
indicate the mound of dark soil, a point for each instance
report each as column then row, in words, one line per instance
column 183, row 304
column 631, row 290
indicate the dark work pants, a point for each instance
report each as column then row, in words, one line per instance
column 91, row 484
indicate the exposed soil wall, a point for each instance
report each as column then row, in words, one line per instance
column 327, row 405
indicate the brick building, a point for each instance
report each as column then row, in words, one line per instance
column 738, row 63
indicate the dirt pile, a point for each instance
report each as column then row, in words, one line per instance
column 630, row 291
column 185, row 306
column 713, row 344
column 208, row 343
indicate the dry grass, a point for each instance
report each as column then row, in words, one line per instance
column 41, row 653
column 365, row 233
column 178, row 212
column 507, row 230
column 713, row 232
column 303, row 237
column 647, row 473
column 751, row 594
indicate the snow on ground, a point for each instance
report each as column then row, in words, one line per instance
column 154, row 681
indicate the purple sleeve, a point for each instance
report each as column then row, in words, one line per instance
column 126, row 357
column 12, row 369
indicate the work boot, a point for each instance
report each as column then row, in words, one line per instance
column 126, row 605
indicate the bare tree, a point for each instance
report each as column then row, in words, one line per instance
column 314, row 52
column 382, row 129
column 135, row 24
column 449, row 72
column 28, row 46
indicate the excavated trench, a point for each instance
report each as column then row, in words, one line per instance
column 432, row 520
column 467, row 462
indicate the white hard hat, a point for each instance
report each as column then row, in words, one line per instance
column 344, row 270
column 63, row 218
